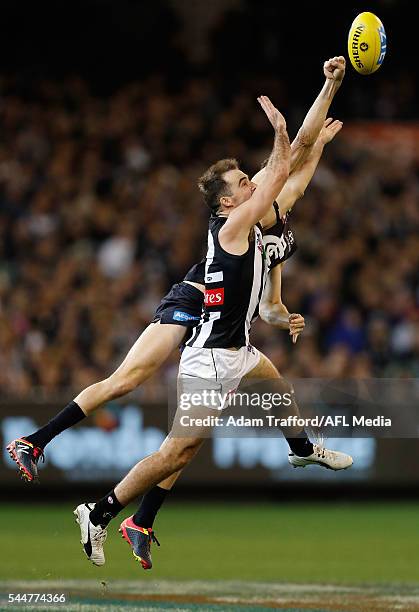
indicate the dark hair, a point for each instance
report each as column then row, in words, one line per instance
column 213, row 186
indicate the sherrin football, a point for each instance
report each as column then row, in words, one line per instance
column 367, row 43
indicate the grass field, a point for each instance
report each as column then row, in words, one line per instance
column 223, row 556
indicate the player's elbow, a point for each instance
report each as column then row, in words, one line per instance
column 266, row 311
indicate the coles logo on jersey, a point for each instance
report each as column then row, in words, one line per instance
column 214, row 297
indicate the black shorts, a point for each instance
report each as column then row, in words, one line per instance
column 181, row 306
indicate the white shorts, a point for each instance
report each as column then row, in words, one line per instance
column 216, row 369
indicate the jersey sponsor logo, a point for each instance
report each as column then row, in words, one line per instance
column 178, row 315
column 214, row 297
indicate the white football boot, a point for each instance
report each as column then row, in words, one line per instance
column 332, row 460
column 92, row 537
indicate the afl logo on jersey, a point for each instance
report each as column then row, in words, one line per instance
column 214, row 297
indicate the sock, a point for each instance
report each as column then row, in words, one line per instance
column 150, row 505
column 301, row 445
column 105, row 509
column 68, row 417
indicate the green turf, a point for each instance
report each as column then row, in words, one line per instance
column 327, row 543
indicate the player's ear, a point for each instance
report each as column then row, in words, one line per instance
column 226, row 202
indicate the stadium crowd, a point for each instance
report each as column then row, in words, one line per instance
column 100, row 214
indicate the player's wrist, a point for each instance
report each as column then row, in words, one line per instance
column 331, row 86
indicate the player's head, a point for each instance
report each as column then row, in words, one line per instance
column 224, row 186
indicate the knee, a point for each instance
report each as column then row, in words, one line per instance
column 122, row 383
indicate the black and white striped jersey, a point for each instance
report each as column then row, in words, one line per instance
column 279, row 242
column 233, row 289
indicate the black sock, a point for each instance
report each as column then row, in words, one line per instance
column 105, row 509
column 150, row 505
column 68, row 417
column 301, row 445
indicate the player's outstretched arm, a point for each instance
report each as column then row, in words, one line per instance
column 334, row 71
column 273, row 311
column 298, row 181
column 236, row 229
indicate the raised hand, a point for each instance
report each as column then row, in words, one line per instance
column 329, row 130
column 275, row 117
column 334, row 68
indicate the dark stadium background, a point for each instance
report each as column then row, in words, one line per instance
column 108, row 113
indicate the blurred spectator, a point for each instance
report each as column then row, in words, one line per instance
column 100, row 214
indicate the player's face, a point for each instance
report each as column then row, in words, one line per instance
column 241, row 188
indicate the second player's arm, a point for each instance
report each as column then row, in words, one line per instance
column 298, row 181
column 273, row 311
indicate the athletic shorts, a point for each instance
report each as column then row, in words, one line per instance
column 216, row 369
column 181, row 306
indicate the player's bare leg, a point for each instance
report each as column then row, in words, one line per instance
column 162, row 466
column 265, row 371
column 173, row 455
column 145, row 357
column 303, row 452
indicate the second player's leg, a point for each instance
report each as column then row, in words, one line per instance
column 266, row 371
column 145, row 357
column 303, row 451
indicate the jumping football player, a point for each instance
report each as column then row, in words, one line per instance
column 138, row 529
